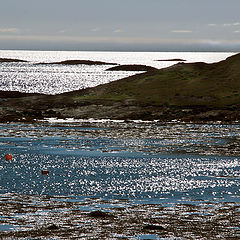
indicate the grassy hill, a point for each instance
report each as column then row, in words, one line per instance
column 184, row 84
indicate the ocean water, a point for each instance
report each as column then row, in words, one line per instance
column 145, row 162
column 113, row 166
column 54, row 79
column 138, row 160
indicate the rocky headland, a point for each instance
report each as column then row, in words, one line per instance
column 2, row 60
column 196, row 92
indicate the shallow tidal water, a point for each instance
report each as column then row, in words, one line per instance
column 147, row 171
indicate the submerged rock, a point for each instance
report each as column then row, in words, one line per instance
column 52, row 227
column 153, row 227
column 100, row 214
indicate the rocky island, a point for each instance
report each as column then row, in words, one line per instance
column 172, row 60
column 185, row 91
column 2, row 60
column 78, row 62
column 133, row 67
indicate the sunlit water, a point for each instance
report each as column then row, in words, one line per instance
column 53, row 79
column 103, row 160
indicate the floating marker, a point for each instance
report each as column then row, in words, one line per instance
column 8, row 157
column 45, row 172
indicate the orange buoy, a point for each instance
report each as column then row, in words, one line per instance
column 8, row 157
column 45, row 172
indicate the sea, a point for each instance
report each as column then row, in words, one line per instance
column 54, row 79
column 142, row 162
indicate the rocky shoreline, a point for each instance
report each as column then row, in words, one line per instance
column 16, row 106
column 50, row 217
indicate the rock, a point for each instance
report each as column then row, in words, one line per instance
column 11, row 60
column 78, row 62
column 99, row 214
column 172, row 60
column 132, row 68
column 53, row 227
column 153, row 227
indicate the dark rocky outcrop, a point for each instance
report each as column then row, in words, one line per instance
column 100, row 214
column 52, row 227
column 2, row 60
column 132, row 68
column 16, row 94
column 153, row 227
column 171, row 60
column 78, row 62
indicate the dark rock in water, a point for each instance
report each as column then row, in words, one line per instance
column 11, row 60
column 100, row 214
column 171, row 60
column 53, row 227
column 78, row 62
column 133, row 67
column 153, row 227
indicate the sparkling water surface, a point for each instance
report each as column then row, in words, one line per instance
column 53, row 79
column 101, row 159
column 102, row 164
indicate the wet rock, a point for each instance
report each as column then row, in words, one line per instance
column 153, row 227
column 52, row 227
column 100, row 214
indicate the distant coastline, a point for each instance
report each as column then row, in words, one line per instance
column 197, row 92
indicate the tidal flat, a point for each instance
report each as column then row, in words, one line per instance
column 119, row 180
column 45, row 217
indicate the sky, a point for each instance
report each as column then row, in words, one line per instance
column 120, row 25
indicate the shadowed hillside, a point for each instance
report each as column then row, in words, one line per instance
column 184, row 84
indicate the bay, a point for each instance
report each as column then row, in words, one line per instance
column 53, row 79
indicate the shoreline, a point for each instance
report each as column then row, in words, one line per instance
column 30, row 107
column 188, row 92
column 51, row 217
column 64, row 217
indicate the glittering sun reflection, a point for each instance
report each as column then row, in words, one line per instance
column 54, row 79
column 91, row 159
column 115, row 177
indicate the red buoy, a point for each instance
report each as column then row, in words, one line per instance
column 45, row 172
column 8, row 157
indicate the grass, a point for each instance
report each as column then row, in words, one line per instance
column 212, row 85
column 107, row 96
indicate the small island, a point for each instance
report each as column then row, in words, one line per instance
column 171, row 60
column 79, row 62
column 133, row 67
column 2, row 60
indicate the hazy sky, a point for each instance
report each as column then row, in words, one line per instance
column 158, row 25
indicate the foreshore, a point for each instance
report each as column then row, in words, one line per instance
column 65, row 218
column 20, row 107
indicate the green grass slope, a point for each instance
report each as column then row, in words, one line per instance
column 184, row 84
